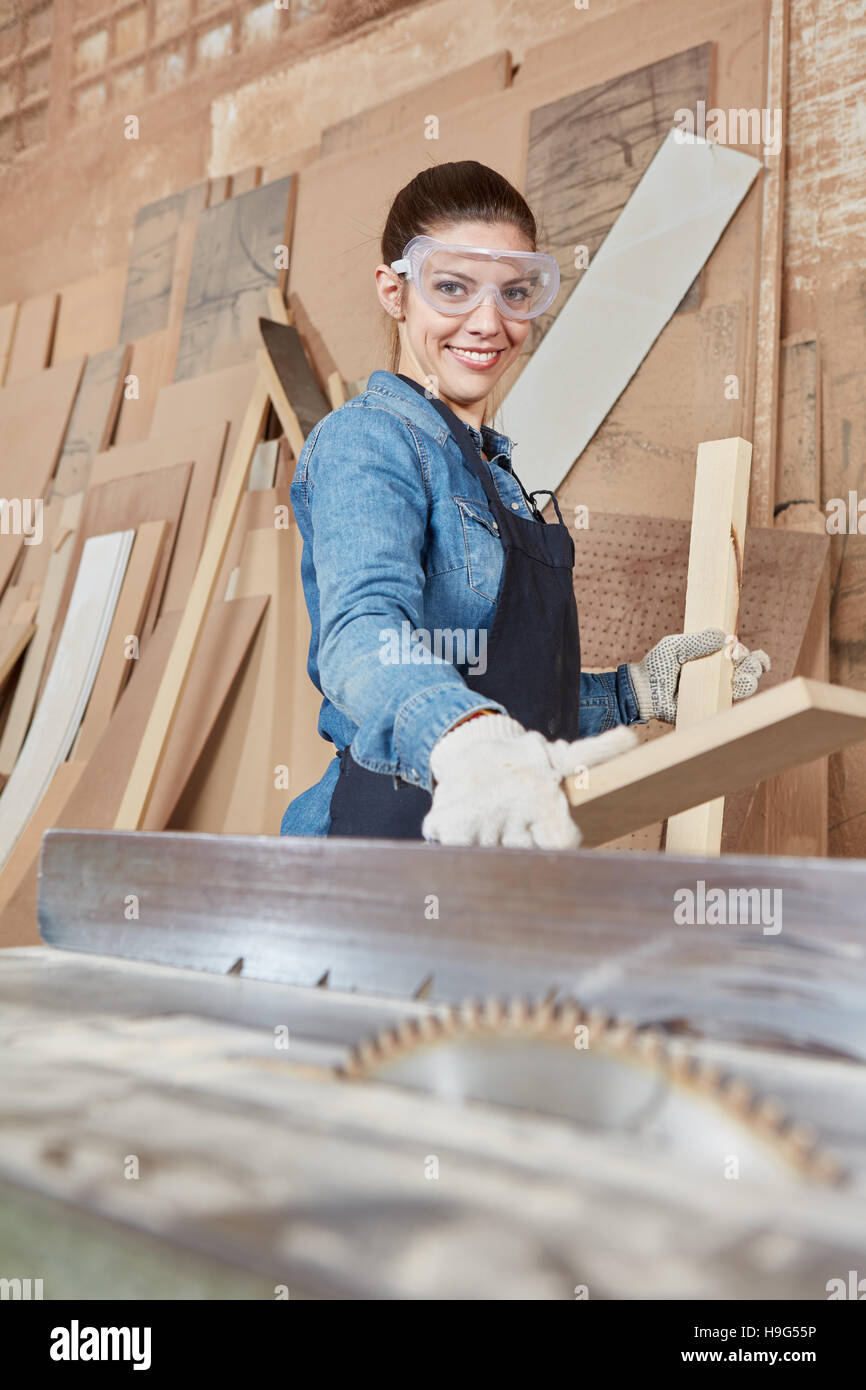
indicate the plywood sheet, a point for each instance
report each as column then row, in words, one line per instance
column 34, row 414
column 34, row 336
column 152, row 259
column 147, row 367
column 260, row 508
column 79, row 652
column 657, row 245
column 233, row 266
column 197, row 403
column 93, row 418
column 202, row 447
column 89, row 316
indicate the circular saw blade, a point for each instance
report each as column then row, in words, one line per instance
column 600, row 1073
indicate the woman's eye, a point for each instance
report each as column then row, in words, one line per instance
column 518, row 294
column 449, row 287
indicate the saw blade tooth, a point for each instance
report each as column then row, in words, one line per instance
column 598, row 1022
column 620, row 1037
column 471, row 1014
column 770, row 1115
column 517, row 1011
column 494, row 1011
column 737, row 1094
column 678, row 1062
column 648, row 1045
column 709, row 1075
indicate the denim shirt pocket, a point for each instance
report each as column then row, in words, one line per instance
column 484, row 554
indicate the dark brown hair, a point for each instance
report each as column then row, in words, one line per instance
column 461, row 191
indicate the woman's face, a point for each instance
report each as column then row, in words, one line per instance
column 465, row 354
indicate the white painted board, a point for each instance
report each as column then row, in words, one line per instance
column 69, row 684
column 602, row 333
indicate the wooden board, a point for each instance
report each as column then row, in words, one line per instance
column 755, row 739
column 183, row 253
column 152, row 261
column 197, row 403
column 30, row 677
column 233, row 266
column 588, row 152
column 126, row 503
column 33, row 418
column 797, row 489
column 145, row 375
column 17, row 929
column 14, row 638
column 93, row 418
column 610, row 322
column 150, row 755
column 79, row 652
column 8, row 319
column 295, row 387
column 90, row 313
column 116, row 664
column 259, row 508
column 34, row 336
column 716, row 551
column 411, row 109
column 203, row 447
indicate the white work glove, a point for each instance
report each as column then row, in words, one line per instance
column 498, row 784
column 657, row 677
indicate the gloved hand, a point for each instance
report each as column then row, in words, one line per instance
column 657, row 677
column 498, row 784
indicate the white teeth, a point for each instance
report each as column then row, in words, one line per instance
column 476, row 356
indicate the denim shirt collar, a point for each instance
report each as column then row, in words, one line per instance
column 496, row 446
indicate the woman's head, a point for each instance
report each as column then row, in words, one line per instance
column 462, row 204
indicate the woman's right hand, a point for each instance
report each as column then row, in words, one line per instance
column 498, row 784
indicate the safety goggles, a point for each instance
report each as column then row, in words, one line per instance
column 456, row 279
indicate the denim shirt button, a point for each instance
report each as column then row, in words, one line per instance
column 515, row 506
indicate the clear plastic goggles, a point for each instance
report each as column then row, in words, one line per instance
column 456, row 279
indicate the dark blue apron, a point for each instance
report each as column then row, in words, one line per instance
column 533, row 655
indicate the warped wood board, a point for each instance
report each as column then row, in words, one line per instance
column 229, row 629
column 233, row 265
column 764, row 435
column 603, row 930
column 79, row 652
column 128, row 502
column 90, row 313
column 587, row 152
column 716, row 551
column 17, row 929
column 757, row 738
column 204, row 447
column 138, row 398
column 34, row 335
column 152, row 260
column 115, row 667
column 410, row 110
column 295, row 385
column 8, row 319
column 647, row 262
column 24, row 698
column 34, row 415
column 93, row 418
column 152, row 751
column 243, row 1149
column 197, row 403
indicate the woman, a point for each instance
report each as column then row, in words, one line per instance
column 444, row 625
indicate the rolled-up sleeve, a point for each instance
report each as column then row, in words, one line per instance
column 369, row 502
column 607, row 698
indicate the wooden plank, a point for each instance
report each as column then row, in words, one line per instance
column 152, row 261
column 90, row 315
column 797, row 487
column 197, row 403
column 24, row 698
column 762, row 495
column 716, row 551
column 183, row 253
column 411, row 109
column 14, row 638
column 144, row 378
column 17, row 928
column 246, row 180
column 34, row 336
column 154, row 742
column 233, row 266
column 129, row 615
column 203, row 447
column 93, row 418
column 8, row 320
column 296, row 395
column 757, row 738
column 589, row 150
column 69, row 684
column 34, row 414
column 607, row 326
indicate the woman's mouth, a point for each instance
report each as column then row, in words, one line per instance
column 478, row 361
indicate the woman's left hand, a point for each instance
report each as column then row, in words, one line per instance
column 656, row 678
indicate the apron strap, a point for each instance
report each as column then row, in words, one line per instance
column 552, row 496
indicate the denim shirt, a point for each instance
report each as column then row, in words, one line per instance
column 398, row 536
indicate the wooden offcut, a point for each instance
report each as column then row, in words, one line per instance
column 94, row 416
column 754, row 739
column 716, row 552
column 296, row 395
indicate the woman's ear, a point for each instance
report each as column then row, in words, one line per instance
column 389, row 288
